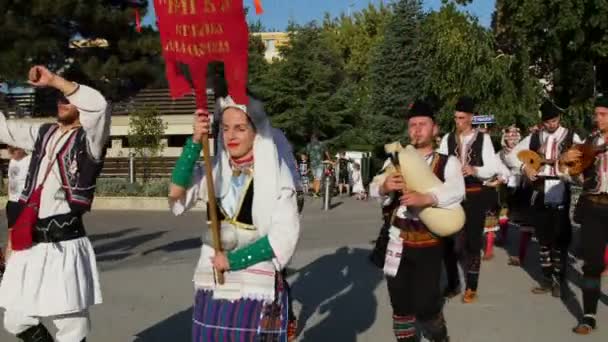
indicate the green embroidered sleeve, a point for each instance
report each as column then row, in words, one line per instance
column 182, row 172
column 250, row 255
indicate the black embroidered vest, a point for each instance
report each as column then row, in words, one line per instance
column 243, row 217
column 536, row 145
column 78, row 169
column 474, row 157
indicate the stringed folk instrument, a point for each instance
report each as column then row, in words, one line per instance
column 533, row 160
column 419, row 177
column 588, row 154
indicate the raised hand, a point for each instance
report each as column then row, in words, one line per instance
column 201, row 125
column 40, row 76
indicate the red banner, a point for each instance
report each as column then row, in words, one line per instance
column 196, row 32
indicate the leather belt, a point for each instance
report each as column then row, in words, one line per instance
column 58, row 228
column 473, row 188
column 414, row 233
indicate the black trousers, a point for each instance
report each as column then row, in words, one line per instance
column 594, row 240
column 415, row 289
column 416, row 296
column 468, row 243
column 554, row 233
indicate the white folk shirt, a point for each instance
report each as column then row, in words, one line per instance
column 95, row 120
column 490, row 166
column 17, row 174
column 602, row 169
column 551, row 141
column 447, row 195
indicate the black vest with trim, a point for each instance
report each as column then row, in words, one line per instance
column 244, row 215
column 474, row 157
column 78, row 168
column 536, row 145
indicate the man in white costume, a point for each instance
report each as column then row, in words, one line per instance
column 55, row 275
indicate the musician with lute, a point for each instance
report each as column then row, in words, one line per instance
column 550, row 200
column 414, row 252
column 592, row 212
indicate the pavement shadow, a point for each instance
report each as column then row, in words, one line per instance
column 118, row 250
column 335, row 205
column 175, row 246
column 340, row 286
column 112, row 235
column 175, row 328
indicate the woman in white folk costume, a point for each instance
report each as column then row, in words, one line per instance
column 56, row 278
column 259, row 232
column 506, row 183
column 413, row 255
column 514, row 198
column 287, row 156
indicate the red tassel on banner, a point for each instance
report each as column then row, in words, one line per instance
column 258, row 7
column 137, row 21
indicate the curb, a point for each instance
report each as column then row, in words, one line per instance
column 128, row 203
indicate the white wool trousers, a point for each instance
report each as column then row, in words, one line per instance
column 71, row 327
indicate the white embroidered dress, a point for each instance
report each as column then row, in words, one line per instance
column 274, row 213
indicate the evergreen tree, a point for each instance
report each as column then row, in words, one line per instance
column 40, row 32
column 396, row 72
column 303, row 88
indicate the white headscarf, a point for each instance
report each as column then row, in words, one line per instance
column 268, row 175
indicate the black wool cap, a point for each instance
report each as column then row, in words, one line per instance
column 465, row 104
column 420, row 108
column 601, row 101
column 549, row 111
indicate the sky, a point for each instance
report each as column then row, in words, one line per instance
column 277, row 13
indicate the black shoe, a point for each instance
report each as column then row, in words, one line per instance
column 36, row 334
column 586, row 326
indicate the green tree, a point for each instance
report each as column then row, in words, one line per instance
column 40, row 32
column 357, row 36
column 146, row 131
column 460, row 58
column 563, row 41
column 302, row 90
column 395, row 72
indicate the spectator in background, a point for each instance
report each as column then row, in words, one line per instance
column 18, row 167
column 358, row 188
column 304, row 169
column 316, row 151
column 343, row 174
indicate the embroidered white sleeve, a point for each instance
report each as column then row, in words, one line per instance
column 452, row 191
column 94, row 117
column 18, row 133
column 193, row 193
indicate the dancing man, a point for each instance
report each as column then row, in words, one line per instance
column 550, row 199
column 414, row 255
column 594, row 213
column 475, row 152
column 259, row 226
column 56, row 278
